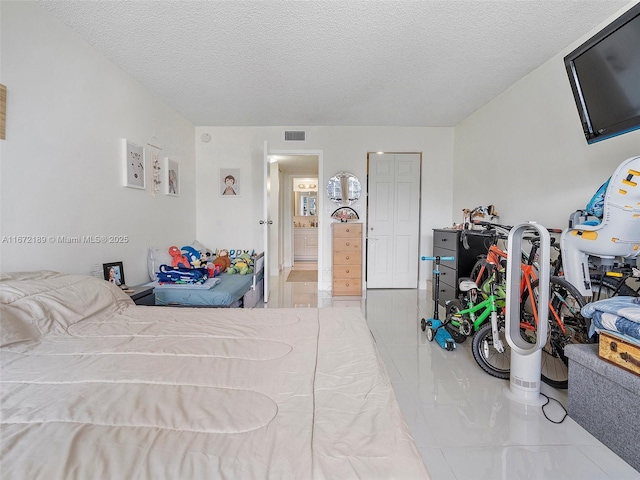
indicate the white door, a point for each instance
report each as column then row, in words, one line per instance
column 393, row 220
column 265, row 221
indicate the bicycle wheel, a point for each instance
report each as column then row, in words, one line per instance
column 479, row 272
column 607, row 287
column 453, row 307
column 487, row 357
column 565, row 303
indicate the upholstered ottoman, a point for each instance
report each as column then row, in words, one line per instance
column 605, row 400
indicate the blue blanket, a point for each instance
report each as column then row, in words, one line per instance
column 617, row 314
column 180, row 275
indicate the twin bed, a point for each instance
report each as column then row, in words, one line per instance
column 94, row 386
column 225, row 290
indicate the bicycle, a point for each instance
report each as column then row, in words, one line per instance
column 566, row 323
column 614, row 282
column 490, row 348
column 608, row 283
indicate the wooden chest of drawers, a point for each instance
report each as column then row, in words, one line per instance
column 347, row 258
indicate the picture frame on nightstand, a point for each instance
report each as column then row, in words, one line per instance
column 114, row 273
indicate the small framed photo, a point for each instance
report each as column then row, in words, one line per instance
column 134, row 165
column 114, row 273
column 230, row 182
column 172, row 179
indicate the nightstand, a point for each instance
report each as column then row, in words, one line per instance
column 143, row 295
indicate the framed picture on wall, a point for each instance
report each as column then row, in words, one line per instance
column 114, row 273
column 172, row 180
column 230, row 182
column 134, row 165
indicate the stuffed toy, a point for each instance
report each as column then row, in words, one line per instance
column 193, row 255
column 177, row 258
column 223, row 260
column 242, row 264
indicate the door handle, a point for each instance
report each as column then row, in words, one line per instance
column 268, row 222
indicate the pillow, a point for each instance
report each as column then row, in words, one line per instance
column 34, row 275
column 155, row 258
column 51, row 303
column 236, row 252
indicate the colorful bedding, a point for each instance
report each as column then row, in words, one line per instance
column 620, row 315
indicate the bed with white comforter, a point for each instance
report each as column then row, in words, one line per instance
column 95, row 387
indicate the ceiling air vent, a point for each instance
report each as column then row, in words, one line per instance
column 294, row 136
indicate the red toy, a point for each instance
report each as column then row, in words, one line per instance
column 178, row 259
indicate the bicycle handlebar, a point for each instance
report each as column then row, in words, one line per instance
column 491, row 231
column 446, row 259
column 490, row 225
column 497, row 231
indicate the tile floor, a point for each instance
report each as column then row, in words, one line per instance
column 464, row 425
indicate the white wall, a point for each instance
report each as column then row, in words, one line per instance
column 61, row 166
column 68, row 108
column 233, row 222
column 525, row 152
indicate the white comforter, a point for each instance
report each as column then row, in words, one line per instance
column 94, row 387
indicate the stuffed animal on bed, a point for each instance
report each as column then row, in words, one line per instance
column 242, row 264
column 223, row 260
column 177, row 258
column 193, row 256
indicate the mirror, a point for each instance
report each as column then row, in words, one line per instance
column 344, row 182
column 305, row 204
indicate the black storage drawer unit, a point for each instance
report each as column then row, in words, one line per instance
column 448, row 243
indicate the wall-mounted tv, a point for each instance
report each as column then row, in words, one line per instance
column 604, row 73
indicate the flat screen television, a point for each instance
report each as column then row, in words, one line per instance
column 604, row 73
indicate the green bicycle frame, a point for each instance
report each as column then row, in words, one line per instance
column 487, row 306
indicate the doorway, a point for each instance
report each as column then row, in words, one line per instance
column 290, row 165
column 393, row 219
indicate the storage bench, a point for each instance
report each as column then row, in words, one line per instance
column 605, row 400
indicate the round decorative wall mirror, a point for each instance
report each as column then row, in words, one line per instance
column 347, row 183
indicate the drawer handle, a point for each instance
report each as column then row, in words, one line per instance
column 346, row 271
column 348, row 244
column 347, row 230
column 346, row 284
column 347, row 257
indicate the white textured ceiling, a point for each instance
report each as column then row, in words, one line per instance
column 326, row 63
